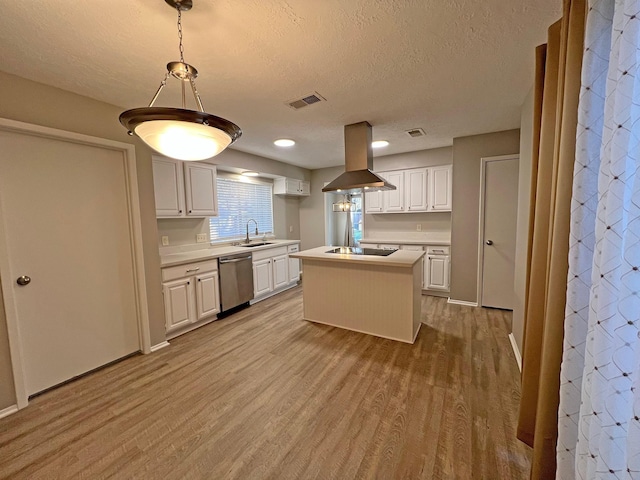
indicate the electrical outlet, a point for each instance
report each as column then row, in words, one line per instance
column 290, row 228
column 418, row 227
column 201, row 237
column 165, row 240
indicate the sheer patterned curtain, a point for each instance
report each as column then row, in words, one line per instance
column 599, row 414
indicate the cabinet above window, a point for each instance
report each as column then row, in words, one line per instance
column 291, row 186
column 184, row 189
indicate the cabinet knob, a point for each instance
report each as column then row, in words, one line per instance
column 179, row 211
column 489, row 242
column 189, row 211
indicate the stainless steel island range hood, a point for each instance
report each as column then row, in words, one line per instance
column 358, row 163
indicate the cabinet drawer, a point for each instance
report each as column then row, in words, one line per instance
column 293, row 248
column 414, row 248
column 180, row 271
column 437, row 250
column 268, row 253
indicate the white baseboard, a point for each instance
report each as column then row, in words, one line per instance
column 8, row 411
column 516, row 351
column 462, row 302
column 155, row 348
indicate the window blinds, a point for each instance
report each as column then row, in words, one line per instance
column 238, row 202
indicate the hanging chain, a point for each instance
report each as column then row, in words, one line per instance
column 180, row 33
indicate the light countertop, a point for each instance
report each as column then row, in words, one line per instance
column 399, row 258
column 212, row 252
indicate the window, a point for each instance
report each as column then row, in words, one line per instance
column 239, row 201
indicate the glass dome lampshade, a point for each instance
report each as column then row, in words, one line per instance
column 180, row 133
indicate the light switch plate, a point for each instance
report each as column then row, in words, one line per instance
column 165, row 240
column 418, row 227
column 290, row 228
column 201, row 238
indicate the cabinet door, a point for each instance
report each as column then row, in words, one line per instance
column 178, row 303
column 262, row 277
column 294, row 264
column 200, row 185
column 168, row 187
column 394, row 199
column 207, row 295
column 373, row 202
column 292, row 186
column 280, row 271
column 415, row 183
column 438, row 272
column 440, row 188
column 305, row 188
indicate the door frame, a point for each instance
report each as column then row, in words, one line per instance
column 135, row 239
column 483, row 175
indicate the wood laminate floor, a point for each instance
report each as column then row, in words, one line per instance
column 263, row 394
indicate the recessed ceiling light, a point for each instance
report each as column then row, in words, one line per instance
column 250, row 173
column 379, row 144
column 284, row 142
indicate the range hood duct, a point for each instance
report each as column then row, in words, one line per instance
column 358, row 163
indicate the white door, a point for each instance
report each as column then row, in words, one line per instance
column 201, row 189
column 280, row 271
column 178, row 303
column 207, row 296
column 65, row 215
column 262, row 278
column 499, row 226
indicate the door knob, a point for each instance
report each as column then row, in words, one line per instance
column 489, row 242
column 23, row 280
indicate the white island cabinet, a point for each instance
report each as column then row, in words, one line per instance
column 377, row 295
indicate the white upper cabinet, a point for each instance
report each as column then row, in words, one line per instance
column 440, row 188
column 291, row 186
column 393, row 200
column 373, row 202
column 425, row 189
column 168, row 183
column 184, row 189
column 201, row 191
column 416, row 190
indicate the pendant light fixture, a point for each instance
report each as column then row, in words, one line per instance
column 178, row 132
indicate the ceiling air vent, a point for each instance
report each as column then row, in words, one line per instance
column 415, row 132
column 310, row 99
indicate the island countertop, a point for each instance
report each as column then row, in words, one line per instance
column 399, row 258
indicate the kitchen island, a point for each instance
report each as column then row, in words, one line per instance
column 377, row 295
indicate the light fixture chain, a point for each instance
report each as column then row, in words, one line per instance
column 180, row 33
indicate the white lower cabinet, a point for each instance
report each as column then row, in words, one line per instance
column 191, row 294
column 272, row 271
column 437, row 269
column 294, row 264
column 262, row 277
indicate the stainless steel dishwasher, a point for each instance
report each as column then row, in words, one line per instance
column 236, row 280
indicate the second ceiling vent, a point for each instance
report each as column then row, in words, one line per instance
column 415, row 132
column 310, row 99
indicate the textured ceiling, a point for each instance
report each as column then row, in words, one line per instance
column 451, row 67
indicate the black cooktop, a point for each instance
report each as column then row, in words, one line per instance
column 362, row 251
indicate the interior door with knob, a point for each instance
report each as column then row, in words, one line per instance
column 67, row 257
column 500, row 210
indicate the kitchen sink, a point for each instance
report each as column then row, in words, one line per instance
column 259, row 244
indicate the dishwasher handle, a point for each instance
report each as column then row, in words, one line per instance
column 235, row 260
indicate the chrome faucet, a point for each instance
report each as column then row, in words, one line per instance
column 247, row 239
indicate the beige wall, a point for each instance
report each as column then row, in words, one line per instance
column 522, row 234
column 467, row 152
column 32, row 102
column 312, row 208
